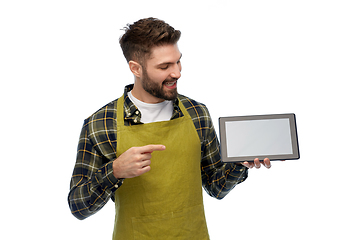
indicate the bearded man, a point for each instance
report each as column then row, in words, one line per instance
column 152, row 150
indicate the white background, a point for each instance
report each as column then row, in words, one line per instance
column 60, row 61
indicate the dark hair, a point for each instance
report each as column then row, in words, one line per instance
column 140, row 37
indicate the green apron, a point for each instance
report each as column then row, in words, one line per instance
column 167, row 201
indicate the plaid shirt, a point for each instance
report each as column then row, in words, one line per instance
column 93, row 183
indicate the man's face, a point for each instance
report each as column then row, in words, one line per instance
column 161, row 72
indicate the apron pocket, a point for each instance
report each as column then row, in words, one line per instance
column 187, row 224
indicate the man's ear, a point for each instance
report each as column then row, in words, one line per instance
column 135, row 68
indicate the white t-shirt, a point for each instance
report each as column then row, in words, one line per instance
column 153, row 112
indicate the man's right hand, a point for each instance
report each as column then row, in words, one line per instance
column 135, row 161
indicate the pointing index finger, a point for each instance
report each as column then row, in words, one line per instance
column 152, row 148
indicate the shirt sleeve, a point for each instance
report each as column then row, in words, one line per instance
column 218, row 178
column 92, row 183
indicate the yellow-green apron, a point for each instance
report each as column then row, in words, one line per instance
column 167, row 201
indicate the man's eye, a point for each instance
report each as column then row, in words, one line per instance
column 164, row 68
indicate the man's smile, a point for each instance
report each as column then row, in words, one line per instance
column 170, row 84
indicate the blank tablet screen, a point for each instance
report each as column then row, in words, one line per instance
column 249, row 137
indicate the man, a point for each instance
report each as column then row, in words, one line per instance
column 152, row 150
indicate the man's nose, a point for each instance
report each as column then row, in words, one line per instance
column 176, row 71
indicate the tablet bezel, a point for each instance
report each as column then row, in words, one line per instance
column 293, row 131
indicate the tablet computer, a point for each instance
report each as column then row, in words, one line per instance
column 245, row 138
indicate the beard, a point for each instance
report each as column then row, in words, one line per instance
column 158, row 90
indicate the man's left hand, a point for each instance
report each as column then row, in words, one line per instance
column 256, row 163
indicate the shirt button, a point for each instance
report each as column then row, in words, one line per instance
column 137, row 112
column 135, row 120
column 116, row 186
